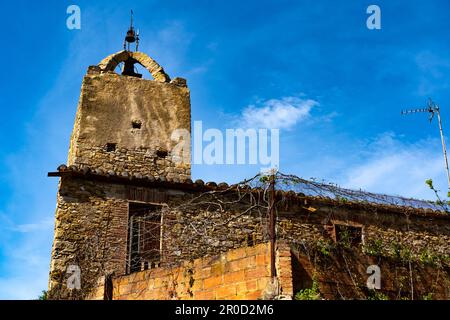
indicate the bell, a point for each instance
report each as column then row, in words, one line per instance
column 128, row 69
column 130, row 37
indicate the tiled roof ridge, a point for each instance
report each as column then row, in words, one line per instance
column 83, row 171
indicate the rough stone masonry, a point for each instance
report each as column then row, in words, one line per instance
column 125, row 123
column 121, row 180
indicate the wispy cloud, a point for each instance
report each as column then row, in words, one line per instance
column 391, row 166
column 169, row 47
column 46, row 225
column 433, row 70
column 39, row 224
column 282, row 113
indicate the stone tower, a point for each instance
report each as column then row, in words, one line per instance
column 123, row 133
column 125, row 123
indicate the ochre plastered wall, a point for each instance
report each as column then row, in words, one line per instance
column 108, row 106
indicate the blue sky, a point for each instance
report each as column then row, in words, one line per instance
column 263, row 56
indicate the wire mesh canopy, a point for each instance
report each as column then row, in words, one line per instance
column 322, row 189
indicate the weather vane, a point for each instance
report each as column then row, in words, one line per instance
column 433, row 109
column 132, row 36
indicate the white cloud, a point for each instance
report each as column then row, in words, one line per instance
column 394, row 167
column 433, row 72
column 282, row 113
column 44, row 225
column 39, row 224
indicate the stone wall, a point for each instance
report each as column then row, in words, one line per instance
column 92, row 228
column 244, row 274
column 382, row 228
column 239, row 274
column 124, row 124
column 342, row 274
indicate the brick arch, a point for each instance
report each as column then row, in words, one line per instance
column 111, row 62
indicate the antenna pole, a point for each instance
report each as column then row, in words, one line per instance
column 434, row 109
column 444, row 149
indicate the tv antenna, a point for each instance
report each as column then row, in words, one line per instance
column 432, row 108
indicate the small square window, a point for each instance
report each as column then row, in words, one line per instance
column 162, row 154
column 111, row 147
column 348, row 235
column 136, row 124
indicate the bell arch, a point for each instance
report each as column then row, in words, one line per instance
column 111, row 62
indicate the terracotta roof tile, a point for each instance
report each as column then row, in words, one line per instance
column 200, row 185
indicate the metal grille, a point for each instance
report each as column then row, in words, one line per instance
column 144, row 247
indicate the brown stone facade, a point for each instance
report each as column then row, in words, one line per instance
column 131, row 220
column 92, row 231
column 125, row 124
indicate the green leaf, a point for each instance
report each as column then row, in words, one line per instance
column 43, row 296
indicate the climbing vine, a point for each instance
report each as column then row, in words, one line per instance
column 224, row 217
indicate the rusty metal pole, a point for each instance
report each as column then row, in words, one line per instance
column 444, row 149
column 272, row 226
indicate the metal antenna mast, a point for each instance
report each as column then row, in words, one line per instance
column 433, row 109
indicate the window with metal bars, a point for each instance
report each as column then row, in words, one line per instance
column 144, row 236
column 348, row 235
